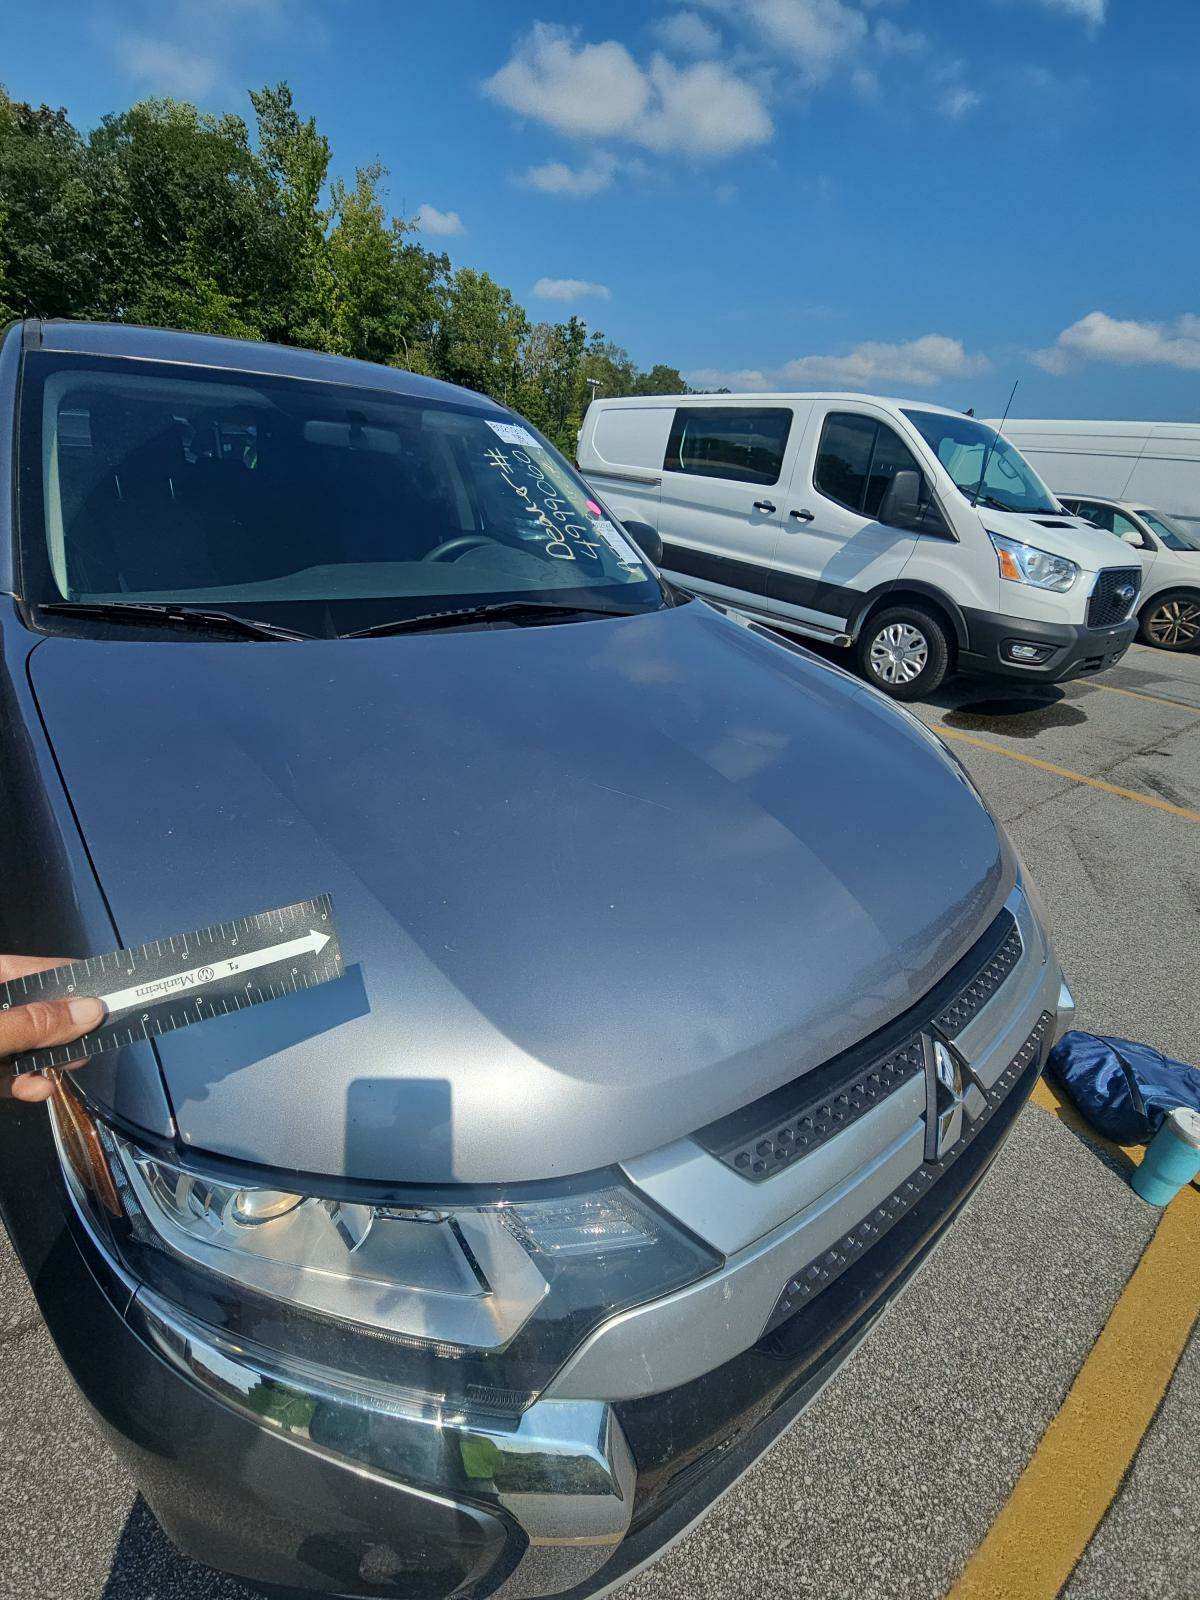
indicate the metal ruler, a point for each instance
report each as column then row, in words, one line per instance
column 173, row 983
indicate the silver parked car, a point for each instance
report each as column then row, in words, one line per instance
column 691, row 988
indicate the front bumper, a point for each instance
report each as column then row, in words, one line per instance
column 286, row 1474
column 1073, row 650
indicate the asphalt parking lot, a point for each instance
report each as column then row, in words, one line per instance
column 895, row 1475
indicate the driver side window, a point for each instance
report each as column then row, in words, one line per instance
column 857, row 459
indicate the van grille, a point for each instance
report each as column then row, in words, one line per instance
column 767, row 1136
column 1106, row 606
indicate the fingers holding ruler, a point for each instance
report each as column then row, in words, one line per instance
column 166, row 984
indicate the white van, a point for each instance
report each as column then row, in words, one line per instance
column 1148, row 463
column 912, row 533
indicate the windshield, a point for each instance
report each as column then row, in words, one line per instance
column 962, row 444
column 321, row 506
column 1173, row 534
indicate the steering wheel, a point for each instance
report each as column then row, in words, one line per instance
column 449, row 549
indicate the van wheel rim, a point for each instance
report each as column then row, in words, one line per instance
column 899, row 653
column 1176, row 622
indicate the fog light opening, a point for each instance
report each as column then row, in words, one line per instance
column 1026, row 654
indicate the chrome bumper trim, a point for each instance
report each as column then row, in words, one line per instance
column 562, row 1471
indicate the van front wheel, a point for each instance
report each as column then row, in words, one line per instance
column 904, row 651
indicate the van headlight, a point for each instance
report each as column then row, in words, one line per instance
column 479, row 1302
column 1025, row 563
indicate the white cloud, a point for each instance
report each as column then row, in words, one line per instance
column 558, row 177
column 445, row 223
column 702, row 110
column 817, row 33
column 166, row 68
column 954, row 96
column 920, row 362
column 1099, row 337
column 740, row 379
column 600, row 91
column 892, row 40
column 687, row 34
column 957, row 102
column 570, row 289
column 1092, row 11
column 580, row 89
column 865, row 83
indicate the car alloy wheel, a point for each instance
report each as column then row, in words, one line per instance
column 1175, row 623
column 899, row 653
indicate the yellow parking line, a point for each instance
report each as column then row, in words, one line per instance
column 1065, row 772
column 1140, row 694
column 1072, row 1477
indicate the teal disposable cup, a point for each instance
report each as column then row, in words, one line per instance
column 1172, row 1157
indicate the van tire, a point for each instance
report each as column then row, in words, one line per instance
column 896, row 639
column 1171, row 621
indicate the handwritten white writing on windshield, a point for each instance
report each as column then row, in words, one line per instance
column 566, row 538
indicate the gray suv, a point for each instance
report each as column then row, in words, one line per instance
column 690, row 991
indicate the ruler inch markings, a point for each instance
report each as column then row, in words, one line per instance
column 171, row 983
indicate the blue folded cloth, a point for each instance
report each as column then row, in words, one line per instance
column 1122, row 1088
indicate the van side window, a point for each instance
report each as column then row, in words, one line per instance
column 844, row 458
column 729, row 442
column 857, row 459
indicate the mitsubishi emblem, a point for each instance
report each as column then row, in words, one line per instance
column 952, row 1097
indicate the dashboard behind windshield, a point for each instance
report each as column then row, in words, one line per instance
column 967, row 449
column 150, row 483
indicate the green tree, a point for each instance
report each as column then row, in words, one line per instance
column 660, row 380
column 481, row 335
column 52, row 244
column 184, row 202
column 299, row 295
column 610, row 366
column 551, row 379
column 167, row 215
column 387, row 291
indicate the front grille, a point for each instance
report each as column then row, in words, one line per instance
column 681, row 1438
column 830, row 1264
column 1107, row 607
column 771, row 1134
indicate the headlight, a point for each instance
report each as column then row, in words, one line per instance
column 478, row 1303
column 1025, row 563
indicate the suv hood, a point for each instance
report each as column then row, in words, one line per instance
column 1062, row 534
column 597, row 883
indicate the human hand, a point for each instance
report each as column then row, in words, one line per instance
column 37, row 1025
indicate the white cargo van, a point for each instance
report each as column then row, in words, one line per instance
column 1149, row 463
column 915, row 535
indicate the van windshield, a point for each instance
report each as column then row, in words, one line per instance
column 967, row 448
column 321, row 506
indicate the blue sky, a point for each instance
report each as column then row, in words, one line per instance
column 930, row 197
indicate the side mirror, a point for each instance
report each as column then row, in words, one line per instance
column 1135, row 539
column 901, row 506
column 647, row 539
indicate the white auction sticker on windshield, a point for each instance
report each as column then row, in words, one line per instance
column 513, row 433
column 618, row 542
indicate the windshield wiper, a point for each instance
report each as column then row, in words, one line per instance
column 972, row 490
column 152, row 613
column 483, row 613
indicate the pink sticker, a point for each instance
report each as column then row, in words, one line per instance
column 594, row 509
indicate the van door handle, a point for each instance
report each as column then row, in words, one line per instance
column 764, row 505
column 802, row 516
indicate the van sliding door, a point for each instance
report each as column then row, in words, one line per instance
column 725, row 471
